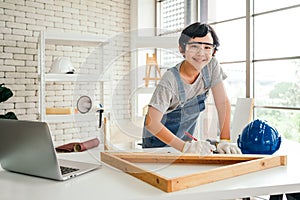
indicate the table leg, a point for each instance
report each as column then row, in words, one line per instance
column 293, row 196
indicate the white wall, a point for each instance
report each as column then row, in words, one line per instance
column 20, row 24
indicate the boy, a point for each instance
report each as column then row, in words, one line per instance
column 180, row 96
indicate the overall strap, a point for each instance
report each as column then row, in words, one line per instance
column 180, row 84
column 206, row 77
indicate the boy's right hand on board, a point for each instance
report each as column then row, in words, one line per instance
column 199, row 147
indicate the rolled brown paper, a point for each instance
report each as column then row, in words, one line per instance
column 78, row 146
column 86, row 145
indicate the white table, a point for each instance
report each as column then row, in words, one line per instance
column 109, row 183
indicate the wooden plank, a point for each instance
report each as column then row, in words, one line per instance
column 151, row 78
column 58, row 111
column 224, row 172
column 149, row 177
column 184, row 158
column 235, row 165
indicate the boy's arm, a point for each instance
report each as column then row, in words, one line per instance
column 154, row 125
column 224, row 108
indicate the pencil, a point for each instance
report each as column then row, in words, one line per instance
column 190, row 136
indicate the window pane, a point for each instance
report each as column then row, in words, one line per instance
column 220, row 10
column 172, row 15
column 236, row 80
column 232, row 36
column 168, row 58
column 274, row 36
column 277, row 83
column 265, row 5
column 286, row 122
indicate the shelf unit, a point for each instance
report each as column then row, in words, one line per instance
column 70, row 39
column 74, row 77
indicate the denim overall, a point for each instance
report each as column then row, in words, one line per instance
column 184, row 117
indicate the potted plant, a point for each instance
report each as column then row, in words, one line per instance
column 6, row 93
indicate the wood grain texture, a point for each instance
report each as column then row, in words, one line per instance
column 235, row 165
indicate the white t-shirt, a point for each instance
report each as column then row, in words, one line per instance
column 166, row 96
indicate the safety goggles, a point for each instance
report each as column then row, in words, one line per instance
column 195, row 47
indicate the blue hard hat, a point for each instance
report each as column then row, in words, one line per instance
column 259, row 137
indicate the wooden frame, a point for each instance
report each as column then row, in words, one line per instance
column 235, row 165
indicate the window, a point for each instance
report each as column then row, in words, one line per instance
column 272, row 57
column 259, row 53
column 170, row 21
column 171, row 16
column 276, row 65
column 219, row 10
column 274, row 36
column 230, row 26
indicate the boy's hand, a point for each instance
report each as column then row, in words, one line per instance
column 199, row 147
column 225, row 147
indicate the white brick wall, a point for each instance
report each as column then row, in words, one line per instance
column 20, row 24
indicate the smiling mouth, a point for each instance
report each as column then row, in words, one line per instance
column 199, row 59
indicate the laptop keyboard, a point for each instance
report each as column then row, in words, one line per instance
column 66, row 170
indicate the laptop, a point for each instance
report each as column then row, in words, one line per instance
column 26, row 147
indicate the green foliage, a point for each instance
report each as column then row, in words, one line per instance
column 286, row 122
column 288, row 92
column 5, row 94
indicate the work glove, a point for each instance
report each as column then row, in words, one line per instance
column 199, row 147
column 226, row 147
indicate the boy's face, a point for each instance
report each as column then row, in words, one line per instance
column 199, row 51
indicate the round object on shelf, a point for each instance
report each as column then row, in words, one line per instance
column 84, row 104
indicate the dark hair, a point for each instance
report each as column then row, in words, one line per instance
column 197, row 30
